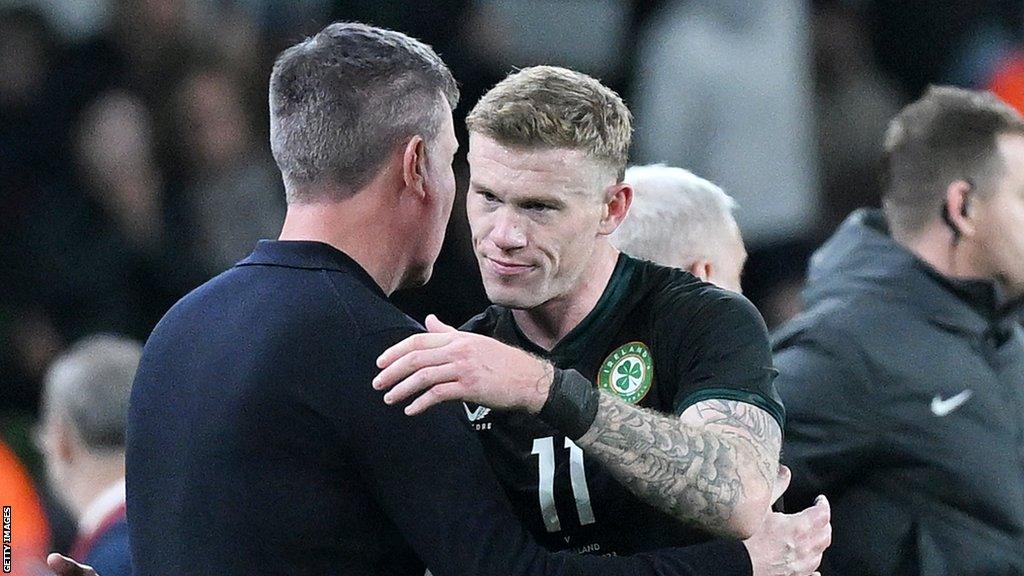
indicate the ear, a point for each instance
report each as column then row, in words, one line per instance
column 65, row 442
column 617, row 200
column 414, row 165
column 701, row 269
column 958, row 211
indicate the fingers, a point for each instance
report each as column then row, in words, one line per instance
column 817, row 516
column 409, row 364
column 434, row 325
column 817, row 533
column 822, row 514
column 435, row 395
column 421, row 381
column 410, row 344
column 781, row 483
column 823, row 539
column 64, row 566
column 821, row 527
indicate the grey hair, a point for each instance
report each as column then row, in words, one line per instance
column 341, row 100
column 676, row 217
column 89, row 386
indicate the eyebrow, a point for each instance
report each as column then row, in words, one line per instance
column 528, row 199
column 550, row 201
column 475, row 186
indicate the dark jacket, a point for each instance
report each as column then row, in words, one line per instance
column 904, row 393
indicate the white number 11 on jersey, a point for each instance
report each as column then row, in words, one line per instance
column 544, row 448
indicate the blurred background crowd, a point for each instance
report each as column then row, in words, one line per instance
column 134, row 162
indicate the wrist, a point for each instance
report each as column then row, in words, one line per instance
column 542, row 391
column 571, row 405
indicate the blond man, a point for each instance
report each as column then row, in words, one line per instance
column 642, row 413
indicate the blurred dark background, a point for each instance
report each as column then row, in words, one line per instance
column 134, row 162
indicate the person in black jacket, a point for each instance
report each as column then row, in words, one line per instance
column 904, row 379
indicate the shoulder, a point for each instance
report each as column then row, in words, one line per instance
column 676, row 302
column 848, row 329
column 671, row 293
column 831, row 350
column 288, row 299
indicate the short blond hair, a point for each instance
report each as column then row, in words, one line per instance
column 548, row 106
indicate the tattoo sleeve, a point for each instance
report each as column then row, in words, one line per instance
column 700, row 468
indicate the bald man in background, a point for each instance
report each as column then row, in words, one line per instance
column 681, row 220
column 85, row 408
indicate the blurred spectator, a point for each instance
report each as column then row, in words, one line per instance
column 681, row 220
column 532, row 32
column 85, row 409
column 34, row 110
column 30, row 536
column 103, row 255
column 115, row 153
column 147, row 48
column 158, row 40
column 33, row 160
column 854, row 102
column 138, row 226
column 723, row 87
column 239, row 52
column 235, row 194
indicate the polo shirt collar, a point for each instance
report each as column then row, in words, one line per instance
column 308, row 255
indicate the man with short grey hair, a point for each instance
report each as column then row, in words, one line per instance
column 681, row 220
column 82, row 438
column 400, row 87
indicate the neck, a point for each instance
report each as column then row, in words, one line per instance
column 936, row 247
column 355, row 227
column 547, row 324
column 94, row 474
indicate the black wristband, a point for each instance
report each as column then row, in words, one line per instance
column 571, row 406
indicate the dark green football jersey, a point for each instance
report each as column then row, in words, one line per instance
column 659, row 338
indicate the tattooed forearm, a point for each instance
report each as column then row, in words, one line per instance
column 706, row 470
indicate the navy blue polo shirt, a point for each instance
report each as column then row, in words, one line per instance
column 256, row 444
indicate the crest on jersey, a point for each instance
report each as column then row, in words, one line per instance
column 628, row 372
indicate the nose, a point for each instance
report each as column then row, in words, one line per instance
column 508, row 233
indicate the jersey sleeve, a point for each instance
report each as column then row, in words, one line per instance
column 724, row 354
column 430, row 476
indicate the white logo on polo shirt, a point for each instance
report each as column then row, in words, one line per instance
column 942, row 407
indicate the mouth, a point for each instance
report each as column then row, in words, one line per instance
column 505, row 267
